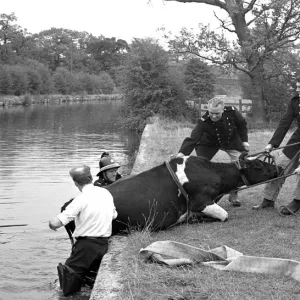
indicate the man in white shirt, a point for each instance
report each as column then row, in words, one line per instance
column 93, row 211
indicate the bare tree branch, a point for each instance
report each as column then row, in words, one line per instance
column 223, row 25
column 218, row 3
column 249, row 7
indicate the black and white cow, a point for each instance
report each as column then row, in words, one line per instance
column 152, row 198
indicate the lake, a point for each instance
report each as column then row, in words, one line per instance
column 38, row 146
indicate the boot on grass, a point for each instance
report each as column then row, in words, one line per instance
column 266, row 203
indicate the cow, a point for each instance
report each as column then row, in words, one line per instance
column 153, row 199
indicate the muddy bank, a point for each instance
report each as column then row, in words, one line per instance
column 108, row 282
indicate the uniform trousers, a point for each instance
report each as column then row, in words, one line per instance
column 272, row 189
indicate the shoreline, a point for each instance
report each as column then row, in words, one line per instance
column 49, row 99
column 108, row 282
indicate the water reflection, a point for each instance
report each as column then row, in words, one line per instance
column 38, row 146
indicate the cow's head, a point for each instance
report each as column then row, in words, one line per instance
column 256, row 170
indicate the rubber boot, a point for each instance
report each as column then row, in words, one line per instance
column 291, row 208
column 266, row 203
column 233, row 199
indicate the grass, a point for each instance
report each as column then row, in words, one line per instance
column 255, row 233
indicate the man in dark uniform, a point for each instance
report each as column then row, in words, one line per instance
column 220, row 128
column 272, row 189
column 108, row 173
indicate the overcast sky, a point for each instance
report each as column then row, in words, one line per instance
column 112, row 18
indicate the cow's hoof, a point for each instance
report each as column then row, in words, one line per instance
column 264, row 204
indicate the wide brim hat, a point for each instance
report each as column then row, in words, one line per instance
column 107, row 162
column 112, row 166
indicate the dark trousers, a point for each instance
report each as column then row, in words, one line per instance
column 87, row 255
column 206, row 151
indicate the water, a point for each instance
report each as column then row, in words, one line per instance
column 38, row 146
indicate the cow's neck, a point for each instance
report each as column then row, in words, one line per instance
column 231, row 177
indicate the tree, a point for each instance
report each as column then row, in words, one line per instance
column 14, row 41
column 262, row 28
column 148, row 85
column 108, row 53
column 199, row 79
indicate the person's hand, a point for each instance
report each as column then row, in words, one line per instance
column 269, row 147
column 297, row 171
column 246, row 146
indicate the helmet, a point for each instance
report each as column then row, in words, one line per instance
column 107, row 162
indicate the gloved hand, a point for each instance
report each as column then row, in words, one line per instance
column 269, row 147
column 246, row 146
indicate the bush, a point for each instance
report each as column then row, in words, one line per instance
column 149, row 87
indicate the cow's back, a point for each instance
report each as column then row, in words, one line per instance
column 149, row 197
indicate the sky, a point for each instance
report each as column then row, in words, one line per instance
column 123, row 19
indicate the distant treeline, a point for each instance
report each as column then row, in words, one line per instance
column 57, row 61
column 39, row 80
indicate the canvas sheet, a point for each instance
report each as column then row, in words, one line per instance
column 222, row 258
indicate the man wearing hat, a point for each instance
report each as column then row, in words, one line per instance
column 93, row 211
column 108, row 170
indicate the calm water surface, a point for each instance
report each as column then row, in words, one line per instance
column 38, row 146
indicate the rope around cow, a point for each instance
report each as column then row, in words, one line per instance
column 270, row 159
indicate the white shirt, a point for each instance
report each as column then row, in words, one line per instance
column 93, row 211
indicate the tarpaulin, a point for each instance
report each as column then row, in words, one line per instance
column 222, row 258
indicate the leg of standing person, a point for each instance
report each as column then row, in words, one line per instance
column 272, row 189
column 85, row 253
column 294, row 205
column 233, row 196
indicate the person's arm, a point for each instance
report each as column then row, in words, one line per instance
column 283, row 125
column 55, row 223
column 189, row 143
column 66, row 216
column 241, row 126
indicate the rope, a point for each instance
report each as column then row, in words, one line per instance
column 286, row 146
column 182, row 190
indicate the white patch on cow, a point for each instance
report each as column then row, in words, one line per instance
column 216, row 211
column 180, row 171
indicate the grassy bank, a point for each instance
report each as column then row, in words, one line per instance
column 255, row 233
column 48, row 99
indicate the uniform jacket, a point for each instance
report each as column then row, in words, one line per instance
column 227, row 133
column 101, row 181
column 284, row 125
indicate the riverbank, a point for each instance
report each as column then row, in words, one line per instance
column 262, row 233
column 48, row 99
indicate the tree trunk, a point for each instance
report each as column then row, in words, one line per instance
column 258, row 103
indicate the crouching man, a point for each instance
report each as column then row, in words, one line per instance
column 93, row 211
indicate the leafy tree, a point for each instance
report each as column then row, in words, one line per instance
column 14, row 41
column 262, row 28
column 64, row 81
column 108, row 53
column 148, row 86
column 199, row 79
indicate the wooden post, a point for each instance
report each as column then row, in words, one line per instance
column 240, row 105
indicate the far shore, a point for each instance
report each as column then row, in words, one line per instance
column 9, row 100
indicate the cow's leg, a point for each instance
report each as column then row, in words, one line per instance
column 215, row 211
column 204, row 204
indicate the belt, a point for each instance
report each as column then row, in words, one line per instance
column 92, row 238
